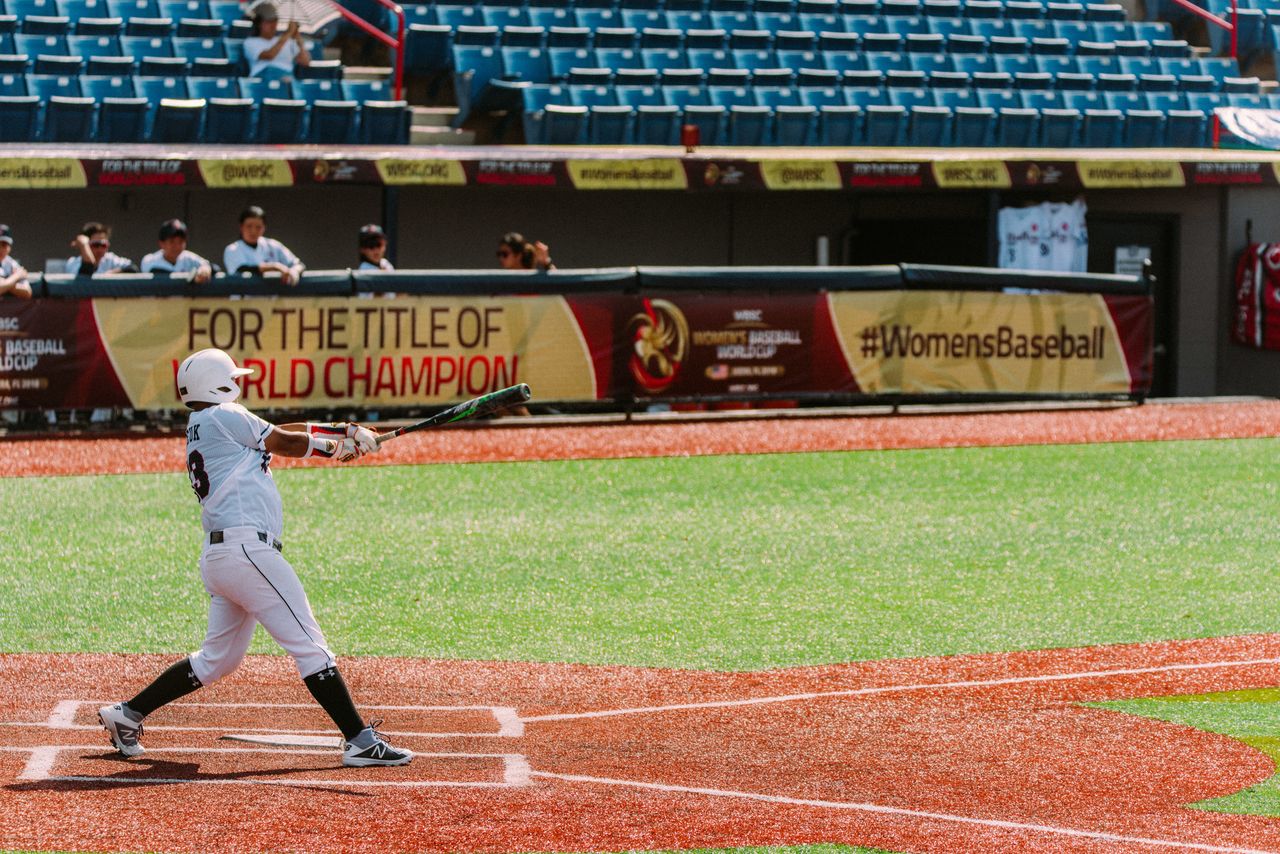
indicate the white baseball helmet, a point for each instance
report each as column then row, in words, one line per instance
column 209, row 376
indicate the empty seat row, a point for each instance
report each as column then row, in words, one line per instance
column 155, row 89
column 887, row 8
column 223, row 10
column 185, row 27
column 857, row 126
column 537, row 97
column 30, row 118
column 149, row 66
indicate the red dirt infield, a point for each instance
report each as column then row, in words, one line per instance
column 969, row 753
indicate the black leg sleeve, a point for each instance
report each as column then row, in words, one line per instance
column 178, row 681
column 330, row 691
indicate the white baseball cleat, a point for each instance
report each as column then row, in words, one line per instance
column 376, row 750
column 122, row 728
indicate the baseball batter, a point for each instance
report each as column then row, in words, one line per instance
column 229, row 453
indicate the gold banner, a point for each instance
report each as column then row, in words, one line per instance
column 941, row 341
column 1130, row 173
column 41, row 173
column 627, row 174
column 221, row 174
column 800, row 174
column 444, row 173
column 317, row 352
column 972, row 174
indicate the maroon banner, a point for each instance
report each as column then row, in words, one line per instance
column 51, row 357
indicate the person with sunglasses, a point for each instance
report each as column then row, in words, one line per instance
column 516, row 253
column 373, row 248
column 95, row 257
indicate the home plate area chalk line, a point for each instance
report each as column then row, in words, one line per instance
column 496, row 748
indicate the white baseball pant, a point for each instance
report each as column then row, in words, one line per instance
column 249, row 582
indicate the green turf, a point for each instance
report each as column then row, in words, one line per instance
column 1252, row 716
column 734, row 562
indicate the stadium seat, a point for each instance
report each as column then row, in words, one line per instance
column 885, row 125
column 973, row 127
column 550, row 17
column 213, row 67
column 177, row 120
column 657, row 124
column 795, row 125
column 749, row 125
column 564, row 124
column 87, row 46
column 504, row 16
column 526, row 37
column 526, row 64
column 47, row 86
column 427, row 48
column 122, row 119
column 41, row 25
column 709, row 120
column 281, row 120
column 1144, row 129
column 68, row 119
column 13, row 64
column 573, row 37
column 19, row 117
column 616, row 37
column 98, row 26
column 1102, row 129
column 77, row 9
column 320, row 69
column 148, row 27
column 1059, row 128
column 110, row 66
column 609, row 124
column 200, row 28
column 26, row 8
column 209, row 88
column 639, row 96
column 1017, row 127
column 928, row 126
column 333, row 122
column 384, row 122
column 133, row 8
column 59, row 65
column 140, row 46
column 317, row 90
column 107, row 87
column 163, row 66
column 1186, row 129
column 473, row 68
column 40, row 45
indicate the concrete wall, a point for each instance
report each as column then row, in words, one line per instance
column 458, row 228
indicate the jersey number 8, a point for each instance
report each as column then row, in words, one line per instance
column 199, row 477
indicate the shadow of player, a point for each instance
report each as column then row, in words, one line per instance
column 150, row 771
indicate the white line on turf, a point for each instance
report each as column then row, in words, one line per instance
column 40, row 764
column 894, row 689
column 897, row 811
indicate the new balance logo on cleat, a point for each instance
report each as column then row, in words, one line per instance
column 378, row 753
column 123, row 729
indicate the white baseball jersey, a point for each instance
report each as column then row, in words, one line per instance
column 241, row 254
column 187, row 262
column 230, row 470
column 7, row 266
column 109, row 263
column 1048, row 236
column 1021, row 238
column 246, row 575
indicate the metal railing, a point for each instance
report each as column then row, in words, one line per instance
column 1217, row 21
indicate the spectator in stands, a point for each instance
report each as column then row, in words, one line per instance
column 516, row 253
column 173, row 255
column 373, row 248
column 257, row 254
column 13, row 276
column 96, row 258
column 272, row 55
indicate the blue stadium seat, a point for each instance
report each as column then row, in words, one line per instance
column 140, row 46
column 911, row 97
column 657, row 124
column 107, row 87
column 971, row 64
column 795, row 41
column 475, row 36
column 953, row 26
column 1073, row 82
column 58, row 66
column 728, row 96
column 594, row 19
column 638, row 96
column 148, row 27
column 200, row 28
column 730, row 21
column 209, row 88
column 1117, row 83
column 830, row 42
column 333, row 122
column 661, row 37
column 473, row 68
column 1186, row 129
column 1017, row 127
column 40, row 45
column 27, row 8
column 178, row 9
column 227, row 11
column 384, row 122
column 817, row 77
column 1102, row 129
column 815, row 97
column 841, row 125
column 177, row 120
column 212, row 67
column 318, row 90
column 1073, row 31
column 750, row 125
column 281, row 121
column 712, row 39
column 68, row 119
column 865, row 97
column 983, row 9
column 155, row 89
column 575, row 37
column 427, row 48
column 47, row 86
column 926, row 43
column 954, row 98
column 163, row 66
column 98, row 26
column 549, row 17
column 192, row 48
column 122, row 119
column 15, row 63
column 1059, row 128
column 642, row 19
column 973, row 127
column 901, row 8
column 991, row 80
column 534, row 101
column 886, row 125
column 609, row 124
column 504, row 16
column 564, row 124
column 110, row 66
column 594, row 76
column 134, row 8
column 19, row 116
column 795, row 125
column 563, row 59
column 616, row 37
column 882, row 43
column 77, row 9
column 460, row 16
column 928, row 127
column 709, row 120
column 40, row 25
column 1064, row 11
column 1144, row 129
column 87, row 46
column 526, row 64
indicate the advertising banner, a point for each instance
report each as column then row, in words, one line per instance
column 321, row 352
column 925, row 342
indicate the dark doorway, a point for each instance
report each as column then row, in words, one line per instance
column 1111, row 231
column 917, row 241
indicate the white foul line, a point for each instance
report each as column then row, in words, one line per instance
column 894, row 689
column 898, row 811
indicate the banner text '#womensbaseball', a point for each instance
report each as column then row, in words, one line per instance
column 900, row 342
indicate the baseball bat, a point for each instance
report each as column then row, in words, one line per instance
column 474, row 408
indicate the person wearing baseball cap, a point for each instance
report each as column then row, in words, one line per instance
column 173, row 257
column 272, row 55
column 373, row 248
column 13, row 276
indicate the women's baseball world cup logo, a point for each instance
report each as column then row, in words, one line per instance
column 660, row 342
